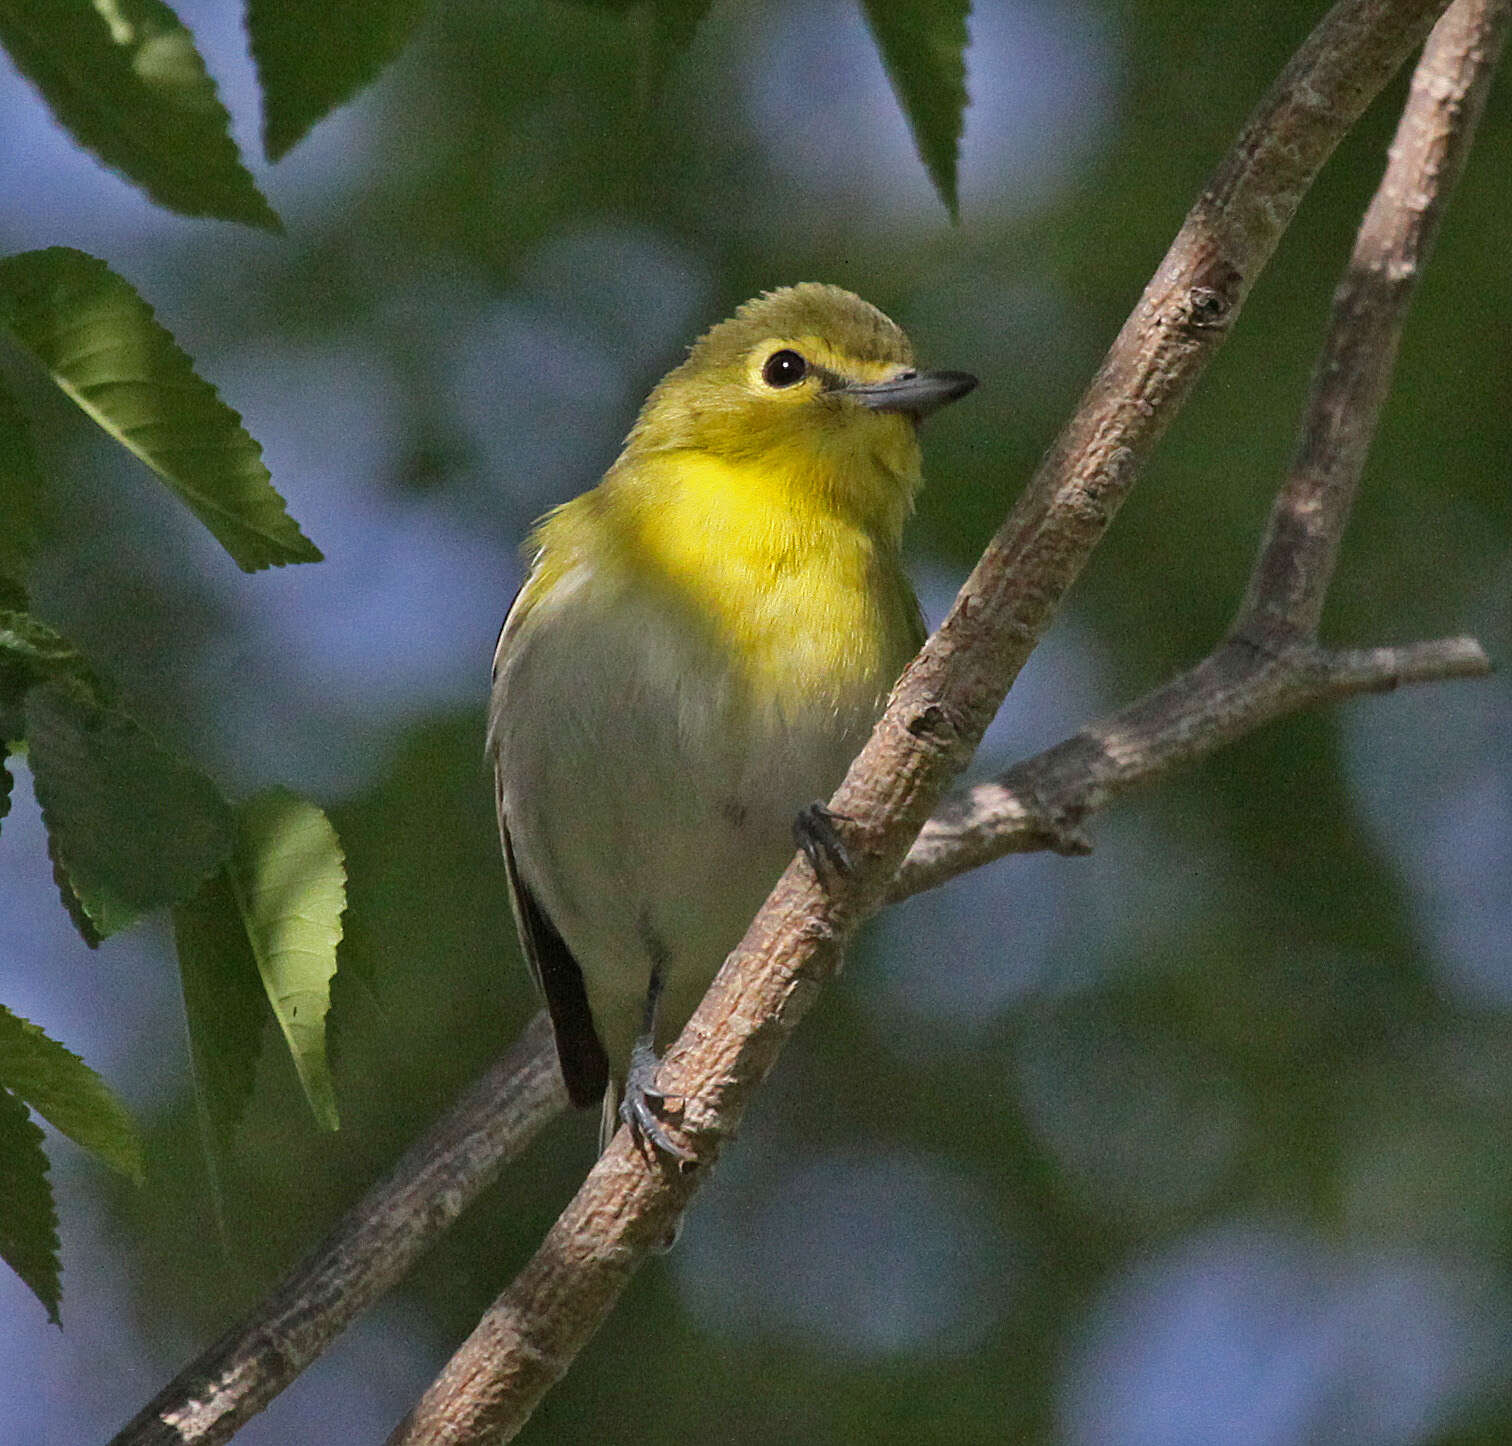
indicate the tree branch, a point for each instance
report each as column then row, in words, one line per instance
column 1271, row 664
column 933, row 723
column 1354, row 371
column 367, row 1253
column 1042, row 802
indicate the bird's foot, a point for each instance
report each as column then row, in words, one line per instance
column 642, row 1103
column 815, row 834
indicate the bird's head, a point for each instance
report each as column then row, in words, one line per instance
column 810, row 381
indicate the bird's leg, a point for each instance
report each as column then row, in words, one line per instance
column 815, row 834
column 638, row 1107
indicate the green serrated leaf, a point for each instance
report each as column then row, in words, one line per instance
column 123, row 77
column 28, row 1221
column 69, row 1095
column 30, row 653
column 289, row 878
column 134, row 826
column 313, row 55
column 20, row 491
column 28, row 641
column 223, row 1001
column 923, row 46
column 99, row 340
column 72, row 906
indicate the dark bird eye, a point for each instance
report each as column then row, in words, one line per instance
column 783, row 369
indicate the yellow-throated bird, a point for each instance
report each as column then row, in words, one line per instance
column 702, row 645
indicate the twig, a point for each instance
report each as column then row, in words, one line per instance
column 367, row 1253
column 936, row 717
column 1351, row 380
column 1042, row 802
column 1271, row 663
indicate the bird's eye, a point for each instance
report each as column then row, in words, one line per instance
column 784, row 369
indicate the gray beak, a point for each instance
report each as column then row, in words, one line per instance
column 917, row 393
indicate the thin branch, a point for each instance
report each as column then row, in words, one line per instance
column 936, row 717
column 1354, row 371
column 1042, row 802
column 1271, row 664
column 367, row 1253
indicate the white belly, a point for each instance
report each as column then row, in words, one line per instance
column 650, row 800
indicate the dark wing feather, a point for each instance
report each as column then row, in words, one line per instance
column 585, row 1066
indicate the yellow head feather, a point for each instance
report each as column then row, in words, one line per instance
column 815, row 445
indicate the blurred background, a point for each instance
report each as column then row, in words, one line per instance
column 1204, row 1138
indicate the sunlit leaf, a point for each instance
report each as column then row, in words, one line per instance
column 313, row 55
column 223, row 1001
column 102, row 345
column 289, row 877
column 134, row 826
column 28, row 1222
column 125, row 80
column 20, row 489
column 923, row 46
column 69, row 1095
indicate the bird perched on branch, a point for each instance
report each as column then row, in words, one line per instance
column 702, row 645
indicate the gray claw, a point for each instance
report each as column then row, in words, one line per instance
column 637, row 1108
column 636, row 1111
column 815, row 834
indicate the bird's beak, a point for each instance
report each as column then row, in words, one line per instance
column 917, row 393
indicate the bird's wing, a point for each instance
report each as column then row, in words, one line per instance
column 585, row 1066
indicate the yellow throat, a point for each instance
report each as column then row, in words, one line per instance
column 765, row 486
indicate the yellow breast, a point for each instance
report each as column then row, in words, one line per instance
column 806, row 598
